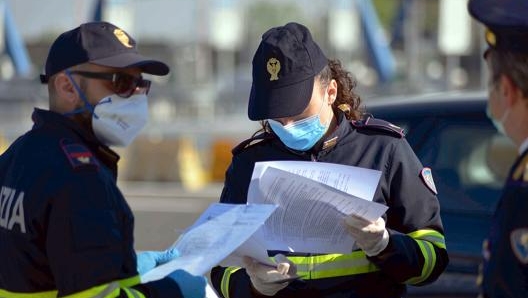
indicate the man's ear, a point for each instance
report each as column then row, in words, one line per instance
column 510, row 91
column 65, row 90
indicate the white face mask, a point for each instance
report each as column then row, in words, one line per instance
column 498, row 123
column 117, row 121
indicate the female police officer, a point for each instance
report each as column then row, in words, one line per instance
column 309, row 111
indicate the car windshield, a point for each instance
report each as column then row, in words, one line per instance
column 469, row 160
column 468, row 168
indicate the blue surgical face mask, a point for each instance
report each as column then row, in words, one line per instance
column 302, row 134
column 499, row 124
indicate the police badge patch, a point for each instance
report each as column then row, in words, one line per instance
column 78, row 155
column 427, row 176
column 519, row 244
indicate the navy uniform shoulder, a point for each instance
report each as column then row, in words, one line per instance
column 78, row 155
column 52, row 146
column 378, row 125
column 254, row 140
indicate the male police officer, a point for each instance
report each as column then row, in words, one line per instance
column 505, row 266
column 65, row 228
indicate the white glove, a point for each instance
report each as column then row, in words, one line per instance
column 264, row 278
column 371, row 237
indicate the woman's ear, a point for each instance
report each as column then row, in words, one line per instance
column 332, row 91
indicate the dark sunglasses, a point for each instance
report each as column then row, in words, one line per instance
column 123, row 84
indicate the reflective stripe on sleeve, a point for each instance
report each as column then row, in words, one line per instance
column 425, row 240
column 47, row 294
column 429, row 261
column 432, row 236
column 132, row 293
column 101, row 291
column 333, row 265
column 224, row 286
column 107, row 290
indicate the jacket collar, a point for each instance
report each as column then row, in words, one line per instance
column 331, row 140
column 42, row 117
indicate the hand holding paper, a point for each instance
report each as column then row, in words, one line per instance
column 309, row 212
column 371, row 236
column 269, row 280
column 148, row 260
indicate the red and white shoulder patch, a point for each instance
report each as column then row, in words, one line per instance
column 427, row 176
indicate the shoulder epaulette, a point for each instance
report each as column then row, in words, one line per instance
column 521, row 170
column 380, row 125
column 252, row 141
column 78, row 155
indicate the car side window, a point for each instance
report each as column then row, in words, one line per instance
column 470, row 164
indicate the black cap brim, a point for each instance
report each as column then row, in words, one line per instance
column 286, row 101
column 495, row 13
column 127, row 60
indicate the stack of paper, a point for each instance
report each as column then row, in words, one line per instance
column 313, row 199
column 292, row 206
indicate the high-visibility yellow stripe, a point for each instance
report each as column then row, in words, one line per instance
column 47, row 294
column 224, row 285
column 336, row 265
column 95, row 291
column 130, row 282
column 432, row 236
column 429, row 255
column 425, row 239
column 132, row 293
column 109, row 290
column 333, row 265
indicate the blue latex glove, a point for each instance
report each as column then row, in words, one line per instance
column 191, row 286
column 148, row 260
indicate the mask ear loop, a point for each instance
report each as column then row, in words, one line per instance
column 87, row 105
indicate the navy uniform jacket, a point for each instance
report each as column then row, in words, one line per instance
column 505, row 267
column 65, row 227
column 416, row 251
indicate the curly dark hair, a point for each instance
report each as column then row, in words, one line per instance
column 347, row 100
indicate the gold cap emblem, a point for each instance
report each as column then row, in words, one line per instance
column 273, row 67
column 122, row 37
column 490, row 37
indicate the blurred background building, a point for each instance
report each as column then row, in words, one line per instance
column 198, row 112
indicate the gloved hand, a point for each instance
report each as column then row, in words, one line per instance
column 148, row 260
column 191, row 286
column 371, row 237
column 264, row 277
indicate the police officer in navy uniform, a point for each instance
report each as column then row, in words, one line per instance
column 65, row 228
column 309, row 111
column 504, row 271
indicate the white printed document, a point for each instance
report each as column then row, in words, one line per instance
column 359, row 182
column 220, row 230
column 313, row 199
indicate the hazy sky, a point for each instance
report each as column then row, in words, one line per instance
column 166, row 19
column 181, row 20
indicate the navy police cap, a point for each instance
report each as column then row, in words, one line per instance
column 506, row 23
column 284, row 67
column 100, row 43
